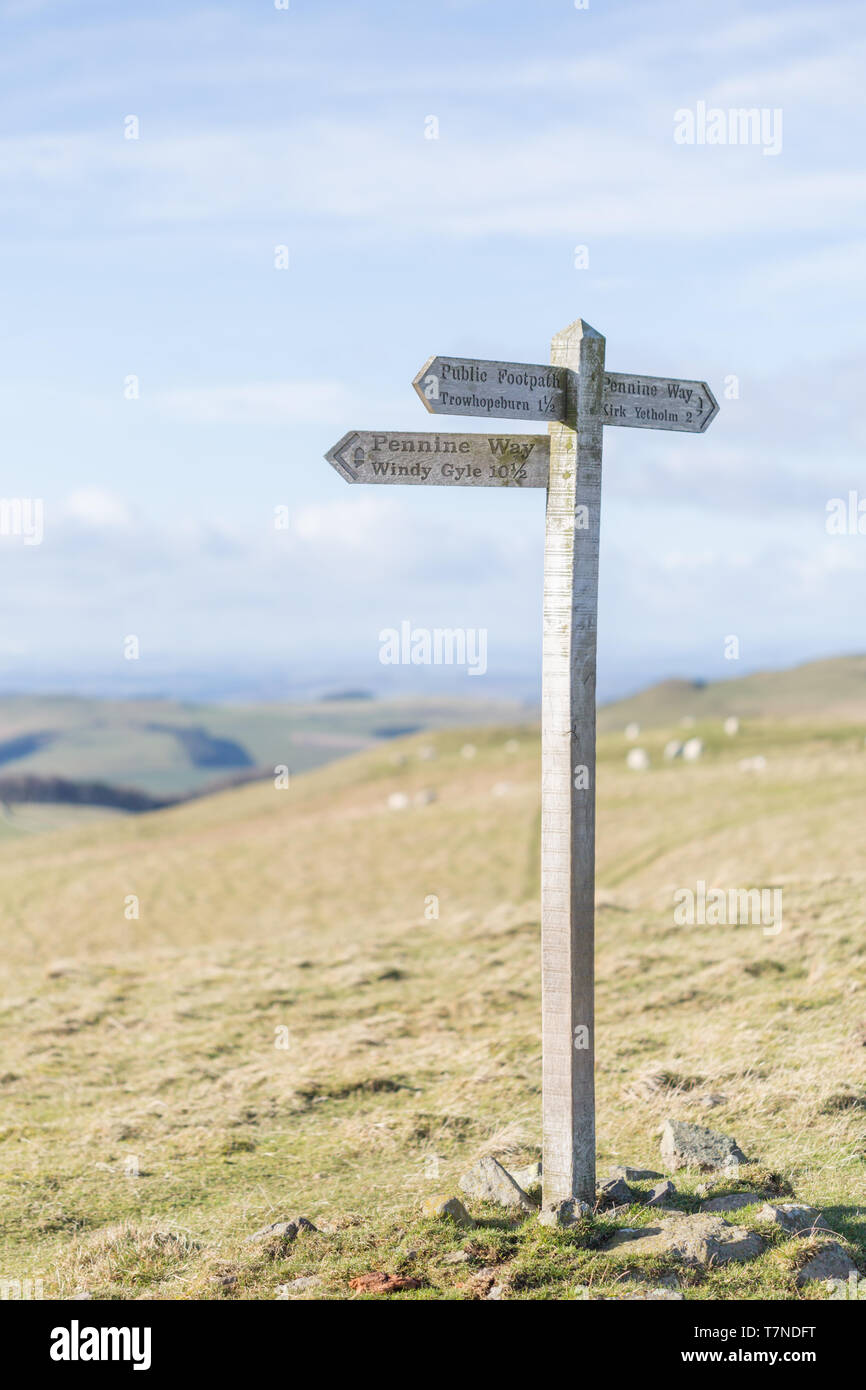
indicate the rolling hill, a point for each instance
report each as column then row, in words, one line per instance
column 168, row 748
column 834, row 689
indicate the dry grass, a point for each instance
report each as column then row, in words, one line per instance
column 151, row 1121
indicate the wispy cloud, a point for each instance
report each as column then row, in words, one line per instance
column 260, row 403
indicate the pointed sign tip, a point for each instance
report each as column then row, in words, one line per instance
column 418, row 383
column 338, row 457
column 713, row 410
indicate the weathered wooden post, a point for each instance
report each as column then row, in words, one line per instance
column 568, row 771
column 578, row 396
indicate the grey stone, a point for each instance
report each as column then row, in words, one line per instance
column 306, row 1281
column 662, row 1193
column 488, row 1181
column 731, row 1201
column 565, row 1213
column 694, row 1240
column 528, row 1177
column 693, row 1146
column 634, row 1174
column 285, row 1230
column 457, row 1257
column 615, row 1192
column 831, row 1262
column 794, row 1217
column 447, row 1208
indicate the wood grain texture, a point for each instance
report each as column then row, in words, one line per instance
column 568, row 792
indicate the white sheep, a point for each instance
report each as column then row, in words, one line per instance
column 756, row 764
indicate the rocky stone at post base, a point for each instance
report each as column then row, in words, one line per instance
column 528, row 1177
column 695, row 1240
column 565, row 1213
column 284, row 1230
column 615, row 1192
column 794, row 1217
column 662, row 1193
column 488, row 1181
column 732, row 1201
column 831, row 1262
column 634, row 1174
column 693, row 1146
column 447, row 1208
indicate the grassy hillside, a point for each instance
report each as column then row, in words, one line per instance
column 153, row 1117
column 827, row 690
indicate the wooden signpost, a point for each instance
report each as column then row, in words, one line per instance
column 578, row 397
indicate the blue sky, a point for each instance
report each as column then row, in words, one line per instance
column 259, row 128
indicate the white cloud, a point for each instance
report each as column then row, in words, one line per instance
column 269, row 403
column 380, row 174
column 94, row 507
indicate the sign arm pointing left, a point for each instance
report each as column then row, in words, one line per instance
column 461, row 460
